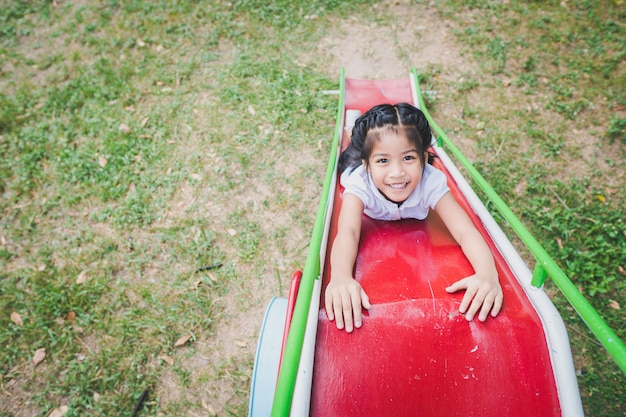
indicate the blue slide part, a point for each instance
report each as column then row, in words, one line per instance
column 267, row 358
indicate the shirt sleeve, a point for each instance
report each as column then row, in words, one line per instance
column 436, row 186
column 354, row 182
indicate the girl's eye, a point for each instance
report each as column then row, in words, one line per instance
column 409, row 158
column 382, row 161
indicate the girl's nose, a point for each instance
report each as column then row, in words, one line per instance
column 397, row 170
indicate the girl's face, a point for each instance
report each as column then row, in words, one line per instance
column 395, row 165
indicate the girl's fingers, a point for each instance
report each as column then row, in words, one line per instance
column 477, row 300
column 487, row 306
column 471, row 311
column 328, row 302
column 468, row 298
column 497, row 305
column 344, row 306
column 356, row 309
column 338, row 312
column 365, row 300
column 459, row 285
column 347, row 312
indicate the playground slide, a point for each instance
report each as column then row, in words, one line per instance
column 414, row 355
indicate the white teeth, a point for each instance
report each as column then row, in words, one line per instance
column 398, row 186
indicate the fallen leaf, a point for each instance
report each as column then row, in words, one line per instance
column 82, row 277
column 621, row 270
column 144, row 121
column 251, row 110
column 71, row 316
column 182, row 340
column 241, row 343
column 124, row 128
column 59, row 412
column 559, row 242
column 196, row 177
column 601, row 198
column 232, row 232
column 16, row 318
column 167, row 359
column 140, row 43
column 614, row 305
column 40, row 355
column 102, row 161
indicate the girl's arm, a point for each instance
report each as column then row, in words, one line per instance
column 482, row 290
column 344, row 296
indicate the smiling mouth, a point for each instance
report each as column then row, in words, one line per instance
column 398, row 185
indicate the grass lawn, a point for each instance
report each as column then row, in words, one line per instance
column 161, row 164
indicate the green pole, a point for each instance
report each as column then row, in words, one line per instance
column 293, row 349
column 598, row 326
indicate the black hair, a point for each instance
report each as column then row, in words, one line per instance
column 401, row 117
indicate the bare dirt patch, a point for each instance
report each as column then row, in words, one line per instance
column 418, row 38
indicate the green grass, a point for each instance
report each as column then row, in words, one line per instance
column 141, row 142
column 120, row 123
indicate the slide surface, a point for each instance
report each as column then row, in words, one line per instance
column 415, row 355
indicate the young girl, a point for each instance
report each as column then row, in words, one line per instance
column 387, row 175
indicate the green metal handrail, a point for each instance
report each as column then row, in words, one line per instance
column 545, row 264
column 295, row 340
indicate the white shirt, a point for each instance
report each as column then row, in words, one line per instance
column 426, row 195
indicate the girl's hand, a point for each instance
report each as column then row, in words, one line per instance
column 481, row 293
column 344, row 299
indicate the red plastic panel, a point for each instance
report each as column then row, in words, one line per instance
column 415, row 355
column 365, row 94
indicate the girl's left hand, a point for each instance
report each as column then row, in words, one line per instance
column 481, row 294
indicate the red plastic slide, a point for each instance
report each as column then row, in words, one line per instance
column 415, row 355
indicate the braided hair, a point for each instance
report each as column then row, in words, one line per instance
column 398, row 118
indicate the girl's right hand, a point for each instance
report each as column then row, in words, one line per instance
column 344, row 300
